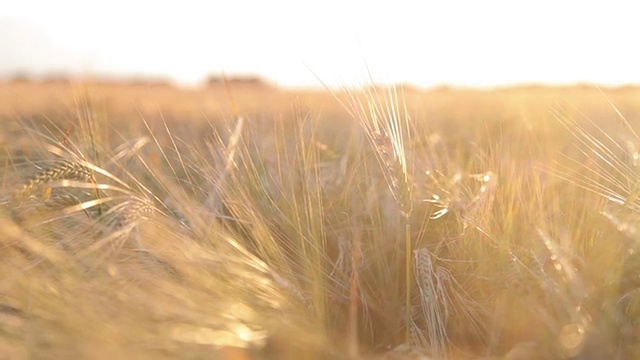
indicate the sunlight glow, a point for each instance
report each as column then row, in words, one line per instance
column 464, row 43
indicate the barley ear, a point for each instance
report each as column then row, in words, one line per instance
column 64, row 170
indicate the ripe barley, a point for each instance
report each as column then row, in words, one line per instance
column 63, row 170
column 433, row 303
column 385, row 120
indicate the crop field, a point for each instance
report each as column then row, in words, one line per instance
column 244, row 221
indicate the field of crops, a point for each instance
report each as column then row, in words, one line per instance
column 250, row 222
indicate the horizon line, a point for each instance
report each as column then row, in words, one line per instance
column 255, row 80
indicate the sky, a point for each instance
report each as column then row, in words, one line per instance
column 333, row 42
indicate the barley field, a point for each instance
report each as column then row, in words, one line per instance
column 243, row 221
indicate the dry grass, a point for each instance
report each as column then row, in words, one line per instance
column 377, row 223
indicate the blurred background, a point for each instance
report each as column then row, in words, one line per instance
column 304, row 44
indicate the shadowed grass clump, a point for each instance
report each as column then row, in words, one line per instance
column 367, row 230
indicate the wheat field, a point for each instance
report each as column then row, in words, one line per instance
column 384, row 222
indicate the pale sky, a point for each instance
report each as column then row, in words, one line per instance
column 293, row 43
